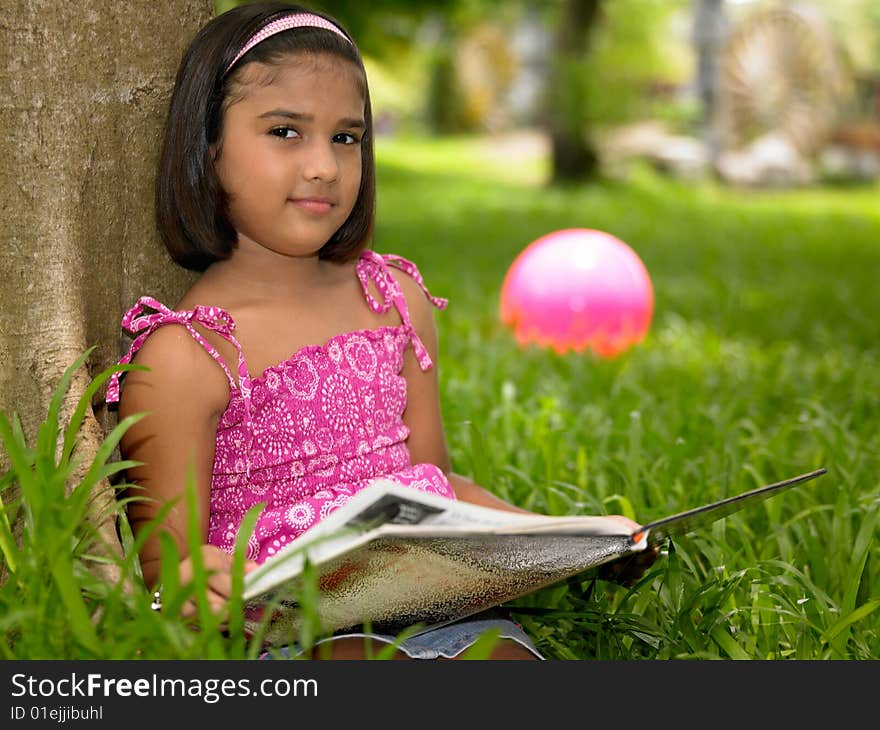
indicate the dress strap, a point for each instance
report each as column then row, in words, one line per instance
column 374, row 267
column 215, row 319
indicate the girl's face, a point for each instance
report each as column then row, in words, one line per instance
column 290, row 154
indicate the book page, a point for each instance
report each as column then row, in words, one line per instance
column 397, row 505
column 387, row 509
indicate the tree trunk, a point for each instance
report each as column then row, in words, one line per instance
column 708, row 35
column 83, row 92
column 574, row 155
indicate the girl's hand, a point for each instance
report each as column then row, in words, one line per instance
column 630, row 568
column 218, row 563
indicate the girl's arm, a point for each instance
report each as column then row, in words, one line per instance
column 427, row 441
column 184, row 393
column 468, row 491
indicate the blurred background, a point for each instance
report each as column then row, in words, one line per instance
column 750, row 92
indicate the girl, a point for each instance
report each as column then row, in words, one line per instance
column 300, row 365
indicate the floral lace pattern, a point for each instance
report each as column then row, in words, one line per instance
column 310, row 432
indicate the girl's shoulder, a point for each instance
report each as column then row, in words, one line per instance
column 171, row 344
column 180, row 370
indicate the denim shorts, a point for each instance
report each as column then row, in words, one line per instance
column 446, row 641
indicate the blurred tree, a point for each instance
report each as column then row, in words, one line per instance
column 708, row 36
column 444, row 107
column 613, row 62
column 574, row 154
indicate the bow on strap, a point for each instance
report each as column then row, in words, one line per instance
column 143, row 325
column 373, row 266
column 410, row 268
column 213, row 318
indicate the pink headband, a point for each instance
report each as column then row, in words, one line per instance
column 297, row 20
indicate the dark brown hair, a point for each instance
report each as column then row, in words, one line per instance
column 191, row 206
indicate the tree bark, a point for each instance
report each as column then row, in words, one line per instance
column 83, row 92
column 574, row 155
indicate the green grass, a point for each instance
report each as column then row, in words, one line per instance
column 761, row 363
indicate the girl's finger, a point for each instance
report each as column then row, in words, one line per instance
column 216, row 603
column 221, row 584
column 625, row 520
column 216, row 559
column 188, row 609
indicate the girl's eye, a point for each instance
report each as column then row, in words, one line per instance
column 284, row 132
column 346, row 138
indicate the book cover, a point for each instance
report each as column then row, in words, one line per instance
column 393, row 556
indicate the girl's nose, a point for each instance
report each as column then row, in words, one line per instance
column 320, row 162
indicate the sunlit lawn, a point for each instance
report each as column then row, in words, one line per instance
column 761, row 363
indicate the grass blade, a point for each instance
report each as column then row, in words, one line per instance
column 85, row 403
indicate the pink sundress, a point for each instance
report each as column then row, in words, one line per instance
column 310, row 432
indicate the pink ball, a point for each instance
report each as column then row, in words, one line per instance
column 578, row 288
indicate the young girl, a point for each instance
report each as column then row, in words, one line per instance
column 300, row 365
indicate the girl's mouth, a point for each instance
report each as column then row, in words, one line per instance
column 312, row 205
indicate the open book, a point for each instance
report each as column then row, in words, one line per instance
column 394, row 556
